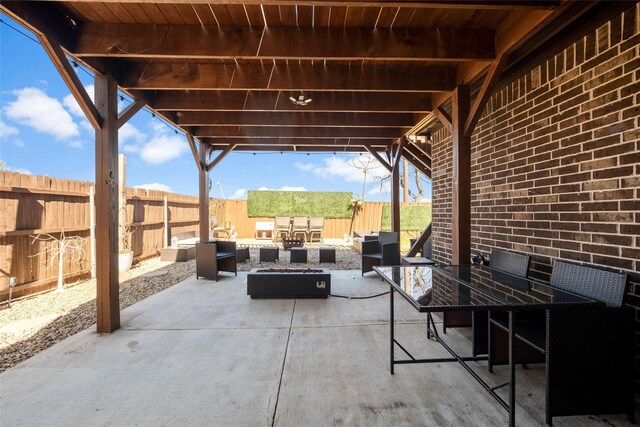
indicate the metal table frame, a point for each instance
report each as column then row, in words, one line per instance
column 455, row 357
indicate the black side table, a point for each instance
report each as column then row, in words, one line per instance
column 269, row 254
column 298, row 255
column 328, row 255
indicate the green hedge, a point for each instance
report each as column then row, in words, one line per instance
column 299, row 203
column 412, row 217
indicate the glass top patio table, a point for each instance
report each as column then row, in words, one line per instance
column 475, row 288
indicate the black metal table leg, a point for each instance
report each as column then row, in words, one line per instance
column 512, row 370
column 391, row 336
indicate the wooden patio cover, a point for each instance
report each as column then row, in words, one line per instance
column 224, row 73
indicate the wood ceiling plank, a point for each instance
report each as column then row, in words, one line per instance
column 305, row 15
column 386, row 17
column 138, row 13
column 154, row 13
column 321, row 16
column 295, row 119
column 105, row 13
column 353, row 17
column 171, row 13
column 288, row 16
column 194, row 41
column 240, row 141
column 403, row 17
column 254, row 13
column 122, row 13
column 279, row 101
column 205, row 15
column 188, row 14
column 221, row 13
column 272, row 14
column 355, row 148
column 208, row 76
column 299, row 132
column 337, row 16
column 85, row 11
column 238, row 15
column 428, row 4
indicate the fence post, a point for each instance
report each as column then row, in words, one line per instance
column 92, row 229
column 166, row 223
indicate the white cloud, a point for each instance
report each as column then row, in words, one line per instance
column 6, row 131
column 154, row 186
column 43, row 113
column 239, row 194
column 339, row 167
column 163, row 148
column 18, row 142
column 129, row 132
column 4, row 167
column 283, row 188
column 72, row 105
column 305, row 167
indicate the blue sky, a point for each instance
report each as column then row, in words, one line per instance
column 43, row 132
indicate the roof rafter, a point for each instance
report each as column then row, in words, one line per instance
column 233, row 42
column 392, row 77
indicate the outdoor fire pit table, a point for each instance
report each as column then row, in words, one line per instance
column 288, row 283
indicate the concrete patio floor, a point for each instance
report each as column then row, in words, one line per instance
column 204, row 353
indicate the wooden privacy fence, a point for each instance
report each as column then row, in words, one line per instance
column 31, row 205
column 369, row 218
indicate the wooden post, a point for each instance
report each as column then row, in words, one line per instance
column 395, row 198
column 107, row 298
column 461, row 185
column 203, row 183
column 165, row 237
column 92, row 229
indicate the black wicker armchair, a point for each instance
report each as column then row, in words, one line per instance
column 385, row 250
column 215, row 256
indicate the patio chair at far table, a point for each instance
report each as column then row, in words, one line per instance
column 385, row 250
column 215, row 256
column 316, row 227
column 282, row 228
column 587, row 351
column 299, row 226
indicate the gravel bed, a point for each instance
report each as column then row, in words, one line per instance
column 35, row 324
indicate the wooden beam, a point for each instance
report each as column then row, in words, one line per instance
column 221, row 156
column 129, row 112
column 461, row 177
column 294, row 76
column 417, row 164
column 243, row 100
column 194, row 151
column 296, row 119
column 420, row 241
column 444, row 117
column 356, row 148
column 297, row 132
column 429, row 4
column 203, row 193
column 106, row 153
column 379, row 158
column 70, row 78
column 398, row 153
column 335, row 142
column 486, row 90
column 283, row 42
column 419, row 153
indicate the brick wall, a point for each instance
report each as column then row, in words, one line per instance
column 556, row 160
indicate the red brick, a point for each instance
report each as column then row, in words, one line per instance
column 578, row 177
column 630, row 205
column 613, row 216
column 612, row 262
column 613, row 195
column 599, row 164
column 612, row 239
column 613, row 172
column 600, row 206
column 599, row 227
column 601, row 249
column 600, row 185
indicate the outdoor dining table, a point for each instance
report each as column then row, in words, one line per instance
column 432, row 289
